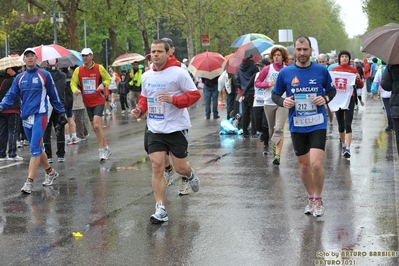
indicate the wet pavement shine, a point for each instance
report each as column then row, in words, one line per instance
column 247, row 212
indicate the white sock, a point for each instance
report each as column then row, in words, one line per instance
column 73, row 135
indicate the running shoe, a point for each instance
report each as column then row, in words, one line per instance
column 16, row 158
column 3, row 158
column 102, row 155
column 25, row 142
column 347, row 153
column 194, row 181
column 107, row 152
column 27, row 188
column 168, row 176
column 160, row 215
column 61, row 159
column 75, row 140
column 49, row 178
column 184, row 188
column 309, row 209
column 69, row 142
column 318, row 208
column 265, row 150
column 50, row 160
column 276, row 160
column 19, row 144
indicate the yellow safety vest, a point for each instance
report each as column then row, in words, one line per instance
column 136, row 79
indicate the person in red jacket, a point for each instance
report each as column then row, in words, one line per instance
column 367, row 74
column 345, row 117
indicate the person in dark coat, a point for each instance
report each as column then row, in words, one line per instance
column 9, row 119
column 245, row 73
column 390, row 82
column 59, row 78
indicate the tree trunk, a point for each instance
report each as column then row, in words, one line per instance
column 72, row 24
column 114, row 42
column 144, row 34
column 189, row 39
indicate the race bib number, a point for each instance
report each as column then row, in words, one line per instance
column 306, row 111
column 304, row 105
column 89, row 85
column 156, row 109
column 29, row 121
column 260, row 95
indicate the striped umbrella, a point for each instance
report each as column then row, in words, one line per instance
column 51, row 51
column 207, row 65
column 243, row 39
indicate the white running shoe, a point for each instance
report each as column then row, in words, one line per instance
column 318, row 208
column 16, row 158
column 160, row 215
column 49, row 178
column 27, row 188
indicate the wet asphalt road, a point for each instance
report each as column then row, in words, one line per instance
column 247, row 212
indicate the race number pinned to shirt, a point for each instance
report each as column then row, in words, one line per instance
column 343, row 83
column 29, row 121
column 89, row 85
column 156, row 109
column 306, row 111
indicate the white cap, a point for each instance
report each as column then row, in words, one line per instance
column 52, row 62
column 29, row 50
column 185, row 60
column 357, row 60
column 86, row 51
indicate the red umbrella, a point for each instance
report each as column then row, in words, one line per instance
column 207, row 65
column 51, row 51
column 233, row 65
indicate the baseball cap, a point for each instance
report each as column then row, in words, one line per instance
column 357, row 60
column 263, row 62
column 29, row 50
column 169, row 41
column 185, row 60
column 86, row 51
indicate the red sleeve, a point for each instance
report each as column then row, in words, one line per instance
column 187, row 99
column 142, row 104
column 259, row 82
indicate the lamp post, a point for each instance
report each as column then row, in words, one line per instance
column 54, row 19
column 54, row 24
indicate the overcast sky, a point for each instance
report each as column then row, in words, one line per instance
column 352, row 15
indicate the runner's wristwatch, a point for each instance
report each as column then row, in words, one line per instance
column 326, row 98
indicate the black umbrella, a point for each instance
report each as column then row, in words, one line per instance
column 383, row 42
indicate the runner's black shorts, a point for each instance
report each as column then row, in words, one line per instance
column 303, row 142
column 175, row 143
column 96, row 110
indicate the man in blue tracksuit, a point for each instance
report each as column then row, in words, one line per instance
column 33, row 86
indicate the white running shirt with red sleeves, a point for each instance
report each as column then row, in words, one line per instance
column 165, row 117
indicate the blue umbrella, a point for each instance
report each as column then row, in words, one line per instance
column 243, row 39
column 78, row 55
